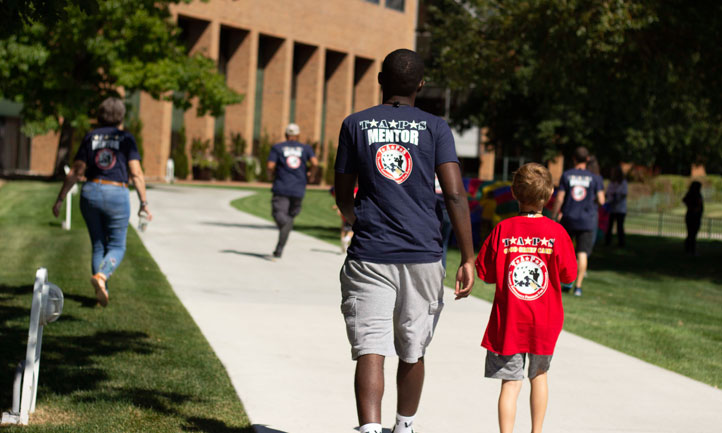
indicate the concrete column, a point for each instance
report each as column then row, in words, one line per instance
column 277, row 56
column 487, row 156
column 366, row 87
column 556, row 167
column 241, row 77
column 339, row 88
column 308, row 68
column 156, row 117
column 203, row 38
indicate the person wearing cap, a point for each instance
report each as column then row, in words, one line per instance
column 106, row 159
column 287, row 165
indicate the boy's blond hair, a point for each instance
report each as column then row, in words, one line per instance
column 532, row 185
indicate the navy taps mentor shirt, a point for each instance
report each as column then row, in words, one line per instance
column 579, row 210
column 106, row 152
column 395, row 152
column 290, row 158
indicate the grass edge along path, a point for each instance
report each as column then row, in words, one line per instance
column 139, row 365
column 649, row 300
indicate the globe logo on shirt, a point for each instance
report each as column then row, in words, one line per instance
column 105, row 159
column 528, row 277
column 579, row 193
column 293, row 162
column 394, row 162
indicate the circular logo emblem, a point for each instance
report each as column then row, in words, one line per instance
column 293, row 162
column 105, row 159
column 578, row 193
column 394, row 162
column 528, row 277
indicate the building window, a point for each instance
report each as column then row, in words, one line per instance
column 372, row 1
column 395, row 4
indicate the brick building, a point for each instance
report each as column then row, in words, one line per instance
column 304, row 61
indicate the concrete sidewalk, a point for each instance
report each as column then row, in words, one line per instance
column 277, row 328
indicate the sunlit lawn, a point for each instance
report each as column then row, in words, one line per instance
column 139, row 365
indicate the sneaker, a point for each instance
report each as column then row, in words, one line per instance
column 276, row 255
column 98, row 282
column 566, row 288
column 578, row 291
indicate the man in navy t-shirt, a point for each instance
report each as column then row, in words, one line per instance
column 580, row 194
column 392, row 280
column 287, row 161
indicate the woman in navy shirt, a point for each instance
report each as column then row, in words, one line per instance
column 107, row 158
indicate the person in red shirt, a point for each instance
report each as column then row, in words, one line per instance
column 528, row 257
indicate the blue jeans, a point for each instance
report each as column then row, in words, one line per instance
column 106, row 209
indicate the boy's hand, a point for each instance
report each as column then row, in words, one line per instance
column 464, row 280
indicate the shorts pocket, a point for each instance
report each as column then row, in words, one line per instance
column 348, row 309
column 436, row 307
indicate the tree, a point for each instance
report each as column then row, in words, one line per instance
column 62, row 64
column 638, row 81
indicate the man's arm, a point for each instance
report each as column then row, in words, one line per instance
column 458, row 207
column 344, row 184
column 76, row 173
column 312, row 169
column 558, row 201
column 136, row 175
column 271, row 169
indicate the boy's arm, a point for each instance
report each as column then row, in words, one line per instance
column 458, row 208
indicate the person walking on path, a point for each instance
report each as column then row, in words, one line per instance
column 527, row 257
column 693, row 218
column 106, row 159
column 287, row 165
column 392, row 279
column 616, row 196
column 579, row 196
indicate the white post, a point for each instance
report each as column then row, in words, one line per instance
column 46, row 307
column 69, row 202
column 170, row 171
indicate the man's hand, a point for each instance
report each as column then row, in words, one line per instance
column 464, row 280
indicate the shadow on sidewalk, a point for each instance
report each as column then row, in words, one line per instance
column 240, row 226
column 266, row 257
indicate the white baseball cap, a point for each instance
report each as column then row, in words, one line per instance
column 293, row 129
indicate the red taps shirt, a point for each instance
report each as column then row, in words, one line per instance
column 527, row 258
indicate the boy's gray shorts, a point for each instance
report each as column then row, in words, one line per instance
column 511, row 367
column 391, row 309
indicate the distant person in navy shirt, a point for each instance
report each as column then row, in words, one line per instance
column 392, row 280
column 107, row 158
column 576, row 207
column 287, row 163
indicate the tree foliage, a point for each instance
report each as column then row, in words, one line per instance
column 638, row 81
column 61, row 64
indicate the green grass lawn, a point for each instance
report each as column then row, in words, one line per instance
column 139, row 365
column 648, row 300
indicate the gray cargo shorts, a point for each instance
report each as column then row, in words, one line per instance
column 391, row 309
column 511, row 367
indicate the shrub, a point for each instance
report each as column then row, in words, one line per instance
column 179, row 155
column 263, row 147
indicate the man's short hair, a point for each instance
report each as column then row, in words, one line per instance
column 532, row 184
column 581, row 154
column 402, row 71
column 111, row 112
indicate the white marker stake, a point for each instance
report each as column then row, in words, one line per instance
column 46, row 307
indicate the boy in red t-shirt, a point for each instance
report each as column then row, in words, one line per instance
column 528, row 257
